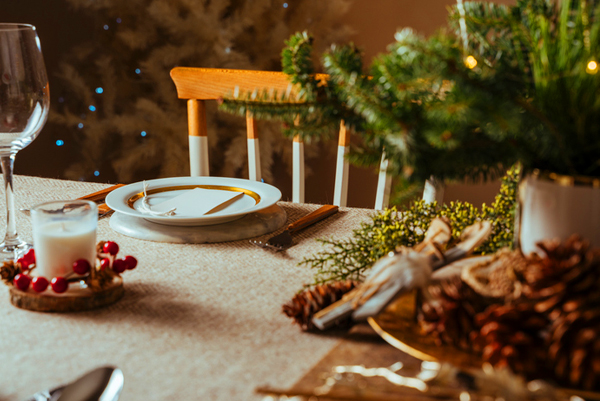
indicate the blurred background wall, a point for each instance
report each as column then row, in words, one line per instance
column 373, row 24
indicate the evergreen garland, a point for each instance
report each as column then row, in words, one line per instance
column 349, row 259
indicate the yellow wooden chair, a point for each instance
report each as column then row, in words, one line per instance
column 200, row 84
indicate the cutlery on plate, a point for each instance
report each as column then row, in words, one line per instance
column 97, row 196
column 100, row 384
column 284, row 240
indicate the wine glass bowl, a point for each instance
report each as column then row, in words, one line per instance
column 24, row 105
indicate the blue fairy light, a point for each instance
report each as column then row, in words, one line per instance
column 99, row 90
column 80, row 125
column 143, row 133
column 285, row 5
column 228, row 50
column 60, row 142
column 138, row 71
column 92, row 108
column 96, row 173
column 118, row 20
column 106, row 27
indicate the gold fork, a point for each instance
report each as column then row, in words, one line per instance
column 281, row 241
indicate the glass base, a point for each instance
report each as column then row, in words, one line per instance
column 13, row 252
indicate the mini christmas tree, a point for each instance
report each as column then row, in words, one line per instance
column 504, row 84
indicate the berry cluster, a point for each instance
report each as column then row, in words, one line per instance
column 107, row 256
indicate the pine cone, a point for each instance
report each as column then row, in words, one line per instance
column 305, row 304
column 100, row 247
column 511, row 336
column 8, row 271
column 551, row 327
column 574, row 349
column 565, row 280
column 565, row 286
column 448, row 310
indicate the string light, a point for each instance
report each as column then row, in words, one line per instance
column 80, row 125
column 138, row 71
column 106, row 27
column 470, row 62
column 592, row 67
column 285, row 5
column 96, row 173
column 118, row 20
column 143, row 133
column 99, row 90
column 60, row 142
column 92, row 108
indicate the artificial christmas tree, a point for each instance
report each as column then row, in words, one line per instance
column 121, row 107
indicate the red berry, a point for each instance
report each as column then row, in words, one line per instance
column 30, row 256
column 104, row 263
column 110, row 247
column 119, row 266
column 81, row 266
column 24, row 263
column 22, row 281
column 39, row 284
column 131, row 262
column 59, row 284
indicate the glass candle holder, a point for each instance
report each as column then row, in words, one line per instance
column 63, row 232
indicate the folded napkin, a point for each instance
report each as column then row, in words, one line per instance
column 193, row 203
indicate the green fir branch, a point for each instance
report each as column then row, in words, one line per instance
column 351, row 258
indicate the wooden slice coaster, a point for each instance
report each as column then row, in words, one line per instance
column 74, row 300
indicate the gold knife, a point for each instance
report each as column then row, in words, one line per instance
column 100, row 196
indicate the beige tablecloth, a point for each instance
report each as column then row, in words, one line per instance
column 198, row 322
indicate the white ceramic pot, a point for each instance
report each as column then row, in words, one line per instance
column 557, row 206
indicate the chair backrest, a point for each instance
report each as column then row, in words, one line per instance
column 200, row 84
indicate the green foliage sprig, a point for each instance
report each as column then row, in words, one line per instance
column 312, row 109
column 351, row 258
column 505, row 84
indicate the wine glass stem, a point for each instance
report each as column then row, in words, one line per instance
column 11, row 238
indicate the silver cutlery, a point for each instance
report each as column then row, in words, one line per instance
column 100, row 384
column 284, row 240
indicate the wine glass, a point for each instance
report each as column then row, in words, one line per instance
column 24, row 103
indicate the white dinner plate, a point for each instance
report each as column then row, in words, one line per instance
column 257, row 196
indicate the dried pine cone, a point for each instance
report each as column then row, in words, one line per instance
column 566, row 279
column 448, row 310
column 512, row 336
column 100, row 247
column 551, row 327
column 8, row 271
column 305, row 304
column 574, row 349
column 564, row 285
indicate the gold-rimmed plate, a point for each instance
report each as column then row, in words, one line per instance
column 398, row 326
column 256, row 196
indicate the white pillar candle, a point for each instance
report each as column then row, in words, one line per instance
column 57, row 245
column 63, row 232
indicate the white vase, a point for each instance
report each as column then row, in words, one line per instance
column 557, row 206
